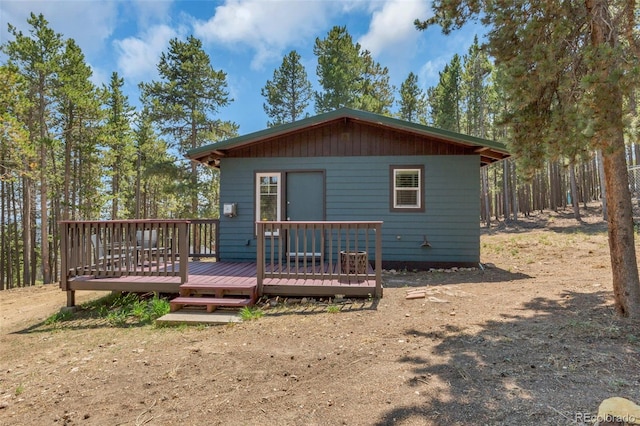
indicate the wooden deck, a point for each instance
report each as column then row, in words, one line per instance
column 293, row 259
column 230, row 274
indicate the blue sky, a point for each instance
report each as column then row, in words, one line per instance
column 247, row 39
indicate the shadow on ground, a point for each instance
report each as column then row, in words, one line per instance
column 488, row 273
column 553, row 364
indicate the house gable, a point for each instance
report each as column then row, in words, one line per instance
column 347, row 138
column 346, row 132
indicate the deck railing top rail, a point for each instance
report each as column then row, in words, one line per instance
column 118, row 221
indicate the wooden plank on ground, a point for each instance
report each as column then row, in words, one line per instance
column 198, row 317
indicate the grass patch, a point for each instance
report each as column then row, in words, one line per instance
column 248, row 313
column 59, row 317
column 120, row 309
column 333, row 309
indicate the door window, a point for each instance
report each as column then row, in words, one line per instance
column 268, row 197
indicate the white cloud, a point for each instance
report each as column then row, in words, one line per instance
column 138, row 56
column 99, row 76
column 391, row 30
column 148, row 12
column 89, row 23
column 429, row 74
column 268, row 27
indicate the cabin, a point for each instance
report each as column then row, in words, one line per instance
column 422, row 183
column 314, row 208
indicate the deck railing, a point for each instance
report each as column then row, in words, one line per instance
column 203, row 238
column 348, row 252
column 123, row 248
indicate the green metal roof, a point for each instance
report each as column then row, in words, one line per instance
column 496, row 150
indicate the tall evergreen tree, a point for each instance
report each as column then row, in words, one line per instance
column 475, row 90
column 119, row 151
column 184, row 102
column 413, row 102
column 444, row 99
column 156, row 174
column 37, row 57
column 375, row 91
column 78, row 111
column 16, row 155
column 545, row 49
column 349, row 76
column 339, row 70
column 288, row 94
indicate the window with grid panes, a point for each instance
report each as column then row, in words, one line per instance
column 407, row 188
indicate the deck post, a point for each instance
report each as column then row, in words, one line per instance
column 183, row 250
column 71, row 298
column 64, row 253
column 378, row 230
column 260, row 257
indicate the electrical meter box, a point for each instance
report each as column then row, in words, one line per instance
column 230, row 209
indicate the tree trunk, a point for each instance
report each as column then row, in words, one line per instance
column 514, row 189
column 44, row 189
column 575, row 202
column 27, row 217
column 485, row 195
column 14, row 255
column 608, row 113
column 603, row 188
column 4, row 232
column 505, row 188
column 626, row 284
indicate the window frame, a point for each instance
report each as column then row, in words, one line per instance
column 394, row 207
column 258, row 194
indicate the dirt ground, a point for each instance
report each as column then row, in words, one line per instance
column 531, row 339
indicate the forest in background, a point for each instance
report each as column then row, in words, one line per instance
column 71, row 150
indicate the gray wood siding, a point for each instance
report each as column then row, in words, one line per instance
column 357, row 188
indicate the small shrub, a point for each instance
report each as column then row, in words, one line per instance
column 117, row 318
column 19, row 389
column 158, row 307
column 333, row 309
column 249, row 313
column 59, row 317
column 120, row 309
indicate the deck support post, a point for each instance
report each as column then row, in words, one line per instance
column 260, row 258
column 71, row 298
column 183, row 242
column 378, row 261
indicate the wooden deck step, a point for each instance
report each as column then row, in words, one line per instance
column 220, row 290
column 210, row 302
column 199, row 286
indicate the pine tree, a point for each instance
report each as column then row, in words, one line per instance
column 16, row 155
column 78, row 111
column 157, row 174
column 288, row 94
column 475, row 90
column 375, row 92
column 184, row 103
column 349, row 76
column 37, row 57
column 119, row 149
column 413, row 103
column 444, row 99
column 339, row 70
column 568, row 68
